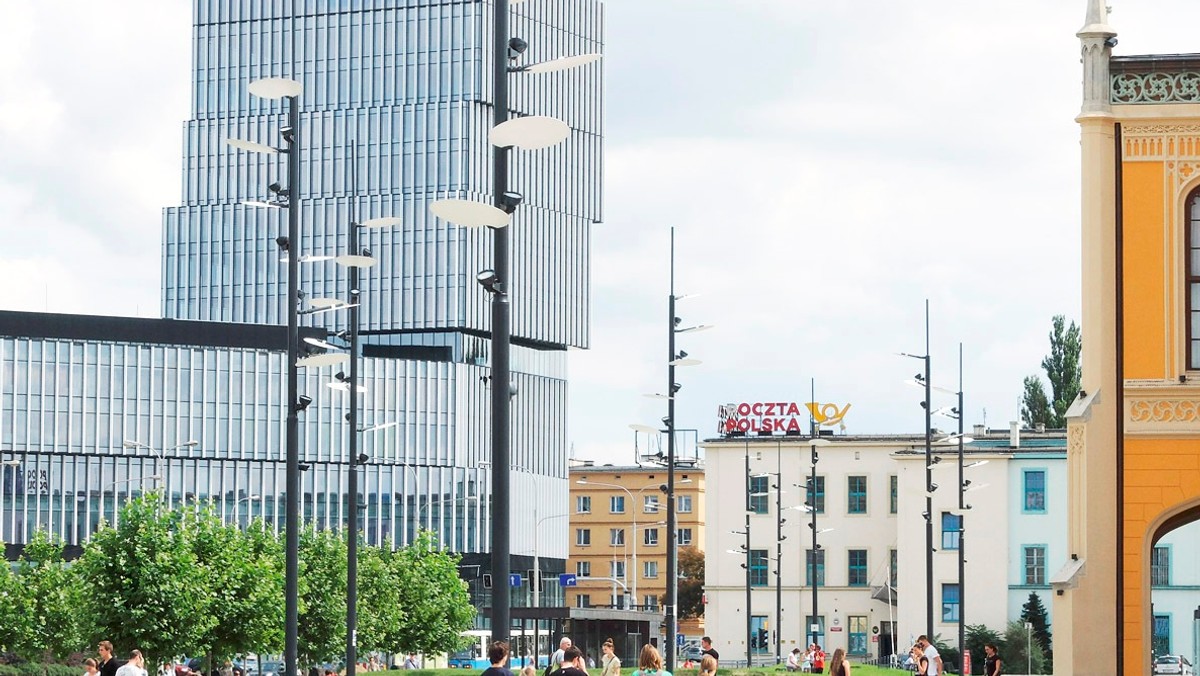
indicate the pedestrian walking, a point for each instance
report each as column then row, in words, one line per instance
column 991, row 660
column 107, row 664
column 707, row 649
column 931, row 653
column 609, row 662
column 498, row 657
column 90, row 667
column 134, row 666
column 572, row 663
column 838, row 666
column 708, row 666
column 818, row 659
column 650, row 663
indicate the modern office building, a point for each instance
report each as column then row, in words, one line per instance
column 619, row 539
column 405, row 87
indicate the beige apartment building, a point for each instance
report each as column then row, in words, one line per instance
column 618, row 535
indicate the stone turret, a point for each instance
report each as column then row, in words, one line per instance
column 1097, row 39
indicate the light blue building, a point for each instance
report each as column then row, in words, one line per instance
column 407, row 83
column 1037, row 521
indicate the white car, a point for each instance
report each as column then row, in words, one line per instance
column 1173, row 664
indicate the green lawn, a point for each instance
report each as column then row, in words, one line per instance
column 858, row 670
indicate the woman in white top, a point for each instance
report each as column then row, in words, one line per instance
column 610, row 661
column 136, row 666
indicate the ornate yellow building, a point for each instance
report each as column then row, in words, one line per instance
column 1134, row 432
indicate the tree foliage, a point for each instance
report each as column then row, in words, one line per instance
column 244, row 571
column 437, row 607
column 14, row 617
column 1020, row 651
column 146, row 586
column 322, row 607
column 1062, row 369
column 1035, row 613
column 49, row 596
column 691, row 583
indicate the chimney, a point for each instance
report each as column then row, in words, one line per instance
column 980, row 430
column 1014, row 434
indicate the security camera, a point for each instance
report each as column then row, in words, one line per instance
column 516, row 47
column 510, row 200
column 283, row 243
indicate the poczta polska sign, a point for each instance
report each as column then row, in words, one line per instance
column 778, row 417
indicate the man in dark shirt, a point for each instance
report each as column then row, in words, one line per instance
column 498, row 656
column 572, row 663
column 108, row 664
column 706, row 644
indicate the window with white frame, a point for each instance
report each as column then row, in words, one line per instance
column 583, row 601
column 616, row 504
column 583, row 537
column 583, row 504
column 583, row 568
column 616, row 536
column 685, row 537
column 650, row 569
column 650, row 537
column 618, row 570
column 650, row 504
column 684, row 504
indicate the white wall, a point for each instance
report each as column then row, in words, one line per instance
column 1031, row 528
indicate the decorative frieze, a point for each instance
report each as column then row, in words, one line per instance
column 1156, row 87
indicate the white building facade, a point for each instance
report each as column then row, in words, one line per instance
column 872, row 564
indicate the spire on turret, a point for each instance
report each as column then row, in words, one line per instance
column 1097, row 39
column 1096, row 22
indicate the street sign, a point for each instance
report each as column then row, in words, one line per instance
column 679, row 640
column 567, row 580
column 514, row 579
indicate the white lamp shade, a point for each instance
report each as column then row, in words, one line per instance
column 562, row 63
column 275, row 88
column 327, row 359
column 530, row 133
column 643, row 428
column 657, row 395
column 251, row 146
column 470, row 214
column 352, row 261
column 317, row 342
column 260, row 203
column 325, row 302
column 386, row 222
column 685, row 362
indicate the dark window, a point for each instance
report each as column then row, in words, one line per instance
column 857, row 572
column 856, row 502
column 758, row 567
column 1192, row 216
column 818, row 494
column 951, row 530
column 758, row 494
column 893, row 493
column 820, row 567
column 950, row 603
column 1160, row 567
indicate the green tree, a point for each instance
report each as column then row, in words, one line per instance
column 976, row 636
column 1020, row 651
column 145, row 586
column 1062, row 369
column 437, row 608
column 691, row 583
column 322, row 602
column 14, row 614
column 52, row 596
column 1035, row 406
column 244, row 572
column 380, row 609
column 1035, row 613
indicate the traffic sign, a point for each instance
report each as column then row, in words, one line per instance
column 514, row 579
column 679, row 640
column 567, row 580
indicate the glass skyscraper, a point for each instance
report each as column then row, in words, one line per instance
column 406, row 84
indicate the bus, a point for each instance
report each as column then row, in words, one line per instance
column 474, row 654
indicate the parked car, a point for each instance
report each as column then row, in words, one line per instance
column 691, row 651
column 1173, row 664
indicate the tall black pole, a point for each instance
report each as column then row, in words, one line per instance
column 749, row 614
column 292, row 507
column 812, row 493
column 672, row 541
column 962, row 516
column 778, row 553
column 812, row 504
column 501, row 592
column 928, row 489
column 352, row 299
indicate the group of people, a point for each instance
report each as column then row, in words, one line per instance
column 811, row 660
column 926, row 661
column 569, row 660
column 106, row 664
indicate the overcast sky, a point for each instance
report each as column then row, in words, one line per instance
column 827, row 166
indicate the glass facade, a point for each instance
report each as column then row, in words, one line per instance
column 407, row 85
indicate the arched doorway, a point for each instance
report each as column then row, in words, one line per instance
column 1171, row 580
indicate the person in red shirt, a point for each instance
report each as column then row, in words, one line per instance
column 818, row 660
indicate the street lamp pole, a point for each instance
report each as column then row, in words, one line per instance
column 962, row 516
column 749, row 614
column 501, row 337
column 812, row 524
column 352, row 300
column 291, row 592
column 928, row 487
column 779, row 556
column 672, row 554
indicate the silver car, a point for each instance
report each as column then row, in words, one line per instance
column 1173, row 664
